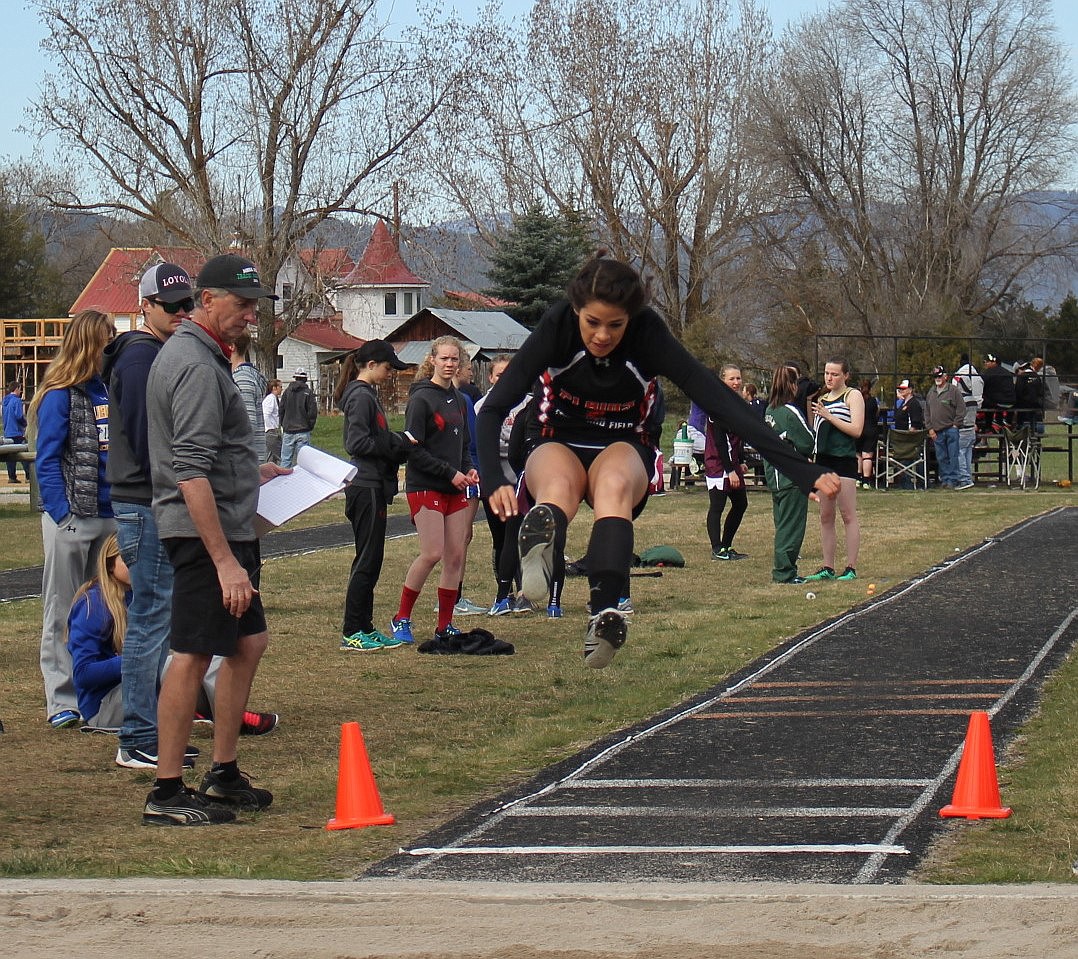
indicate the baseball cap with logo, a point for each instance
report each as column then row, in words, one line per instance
column 938, row 371
column 300, row 374
column 991, row 358
column 905, row 385
column 166, row 282
column 233, row 273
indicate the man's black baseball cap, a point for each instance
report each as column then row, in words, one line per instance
column 233, row 273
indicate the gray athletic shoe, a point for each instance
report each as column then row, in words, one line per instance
column 607, row 632
column 536, row 541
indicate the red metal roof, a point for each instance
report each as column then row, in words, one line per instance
column 114, row 287
column 326, row 335
column 381, row 263
column 479, row 299
column 331, row 263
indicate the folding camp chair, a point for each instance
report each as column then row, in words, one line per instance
column 905, row 457
column 1023, row 453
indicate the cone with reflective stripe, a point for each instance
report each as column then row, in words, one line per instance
column 358, row 802
column 976, row 791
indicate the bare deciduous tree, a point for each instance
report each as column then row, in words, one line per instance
column 914, row 137
column 249, row 121
column 631, row 113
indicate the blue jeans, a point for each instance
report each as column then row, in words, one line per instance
column 149, row 619
column 967, row 436
column 290, row 447
column 946, row 443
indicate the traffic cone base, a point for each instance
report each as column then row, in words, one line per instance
column 358, row 802
column 976, row 791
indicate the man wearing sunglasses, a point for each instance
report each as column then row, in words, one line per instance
column 165, row 298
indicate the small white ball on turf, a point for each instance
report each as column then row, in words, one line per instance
column 810, row 595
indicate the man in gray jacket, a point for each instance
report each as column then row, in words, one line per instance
column 945, row 410
column 205, row 492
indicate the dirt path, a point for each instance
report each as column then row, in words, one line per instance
column 208, row 919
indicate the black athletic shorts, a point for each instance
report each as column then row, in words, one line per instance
column 845, row 466
column 200, row 622
column 589, row 454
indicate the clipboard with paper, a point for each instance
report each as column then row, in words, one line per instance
column 316, row 476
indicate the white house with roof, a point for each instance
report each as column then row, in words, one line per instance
column 381, row 292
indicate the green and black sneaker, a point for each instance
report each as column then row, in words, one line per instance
column 824, row 572
column 847, row 574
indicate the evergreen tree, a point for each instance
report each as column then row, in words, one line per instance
column 534, row 262
column 1061, row 331
column 26, row 281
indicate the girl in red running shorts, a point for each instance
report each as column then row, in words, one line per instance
column 437, row 479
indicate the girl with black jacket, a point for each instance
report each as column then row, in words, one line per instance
column 377, row 453
column 438, row 480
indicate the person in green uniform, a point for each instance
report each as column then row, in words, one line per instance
column 789, row 506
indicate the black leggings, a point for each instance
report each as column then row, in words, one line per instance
column 719, row 535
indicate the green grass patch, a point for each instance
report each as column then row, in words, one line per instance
column 446, row 732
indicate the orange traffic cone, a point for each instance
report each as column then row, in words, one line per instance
column 976, row 791
column 358, row 803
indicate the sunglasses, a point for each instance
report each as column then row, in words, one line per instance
column 173, row 308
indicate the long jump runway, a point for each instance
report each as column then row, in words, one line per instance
column 825, row 761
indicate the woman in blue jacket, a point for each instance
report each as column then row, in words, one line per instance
column 95, row 638
column 70, row 414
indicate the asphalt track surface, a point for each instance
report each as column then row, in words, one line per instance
column 25, row 583
column 827, row 760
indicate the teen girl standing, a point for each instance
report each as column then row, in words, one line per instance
column 839, row 418
column 437, row 478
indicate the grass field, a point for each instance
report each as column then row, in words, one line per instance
column 444, row 732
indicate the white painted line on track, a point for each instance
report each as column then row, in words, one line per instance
column 870, row 848
column 713, row 812
column 740, row 783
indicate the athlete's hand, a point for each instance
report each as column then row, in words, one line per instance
column 459, row 481
column 827, row 485
column 503, row 502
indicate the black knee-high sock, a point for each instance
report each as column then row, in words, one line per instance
column 610, row 552
column 557, row 572
column 509, row 560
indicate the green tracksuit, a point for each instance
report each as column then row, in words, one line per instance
column 789, row 505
